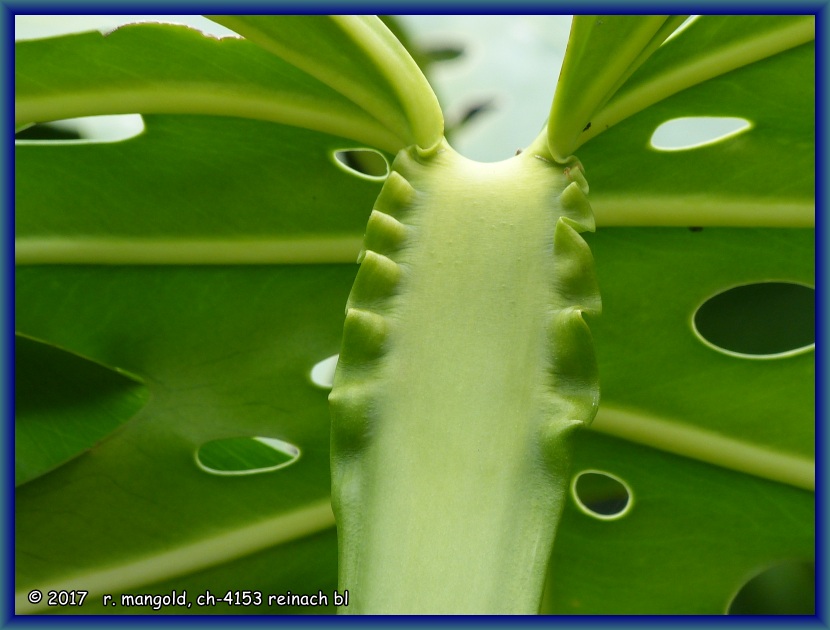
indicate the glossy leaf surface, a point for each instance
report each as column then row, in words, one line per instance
column 226, row 348
column 692, row 537
column 662, row 384
column 763, row 177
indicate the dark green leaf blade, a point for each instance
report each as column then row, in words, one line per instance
column 709, row 47
column 693, row 535
column 655, row 367
column 227, row 352
column 250, row 204
column 64, row 405
column 762, row 176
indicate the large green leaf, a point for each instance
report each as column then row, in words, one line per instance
column 731, row 182
column 227, row 353
column 750, row 417
column 709, row 47
column 208, row 341
column 156, row 215
column 660, row 371
column 693, row 535
column 226, row 348
column 599, row 90
column 719, row 184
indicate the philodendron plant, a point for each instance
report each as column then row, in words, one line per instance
column 181, row 294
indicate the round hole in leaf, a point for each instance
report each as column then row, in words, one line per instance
column 788, row 588
column 761, row 320
column 245, row 455
column 681, row 134
column 601, row 494
column 365, row 163
column 322, row 374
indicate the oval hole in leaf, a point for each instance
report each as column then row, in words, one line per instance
column 365, row 163
column 89, row 129
column 322, row 374
column 38, row 132
column 601, row 494
column 680, row 134
column 788, row 588
column 761, row 320
column 245, row 455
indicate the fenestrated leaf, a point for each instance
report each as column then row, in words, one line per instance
column 662, row 385
column 714, row 68
column 655, row 368
column 692, row 536
column 761, row 177
column 206, row 341
column 726, row 183
column 64, row 405
column 226, row 352
column 709, row 47
column 208, row 194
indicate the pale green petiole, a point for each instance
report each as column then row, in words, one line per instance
column 465, row 368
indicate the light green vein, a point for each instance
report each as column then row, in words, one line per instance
column 707, row 446
column 159, row 251
column 188, row 559
column 701, row 211
column 208, row 100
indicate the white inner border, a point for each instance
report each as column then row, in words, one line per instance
column 741, row 355
column 589, row 511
